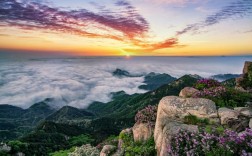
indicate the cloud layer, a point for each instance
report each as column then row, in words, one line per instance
column 80, row 81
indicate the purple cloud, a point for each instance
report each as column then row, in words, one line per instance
column 235, row 9
column 34, row 15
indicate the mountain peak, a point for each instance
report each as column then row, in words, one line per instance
column 121, row 73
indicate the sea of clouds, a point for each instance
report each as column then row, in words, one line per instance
column 80, row 81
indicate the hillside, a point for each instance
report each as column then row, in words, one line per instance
column 67, row 113
column 127, row 105
column 155, row 80
column 16, row 122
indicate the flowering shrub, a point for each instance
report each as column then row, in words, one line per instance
column 206, row 83
column 224, row 96
column 147, row 115
column 85, row 150
column 230, row 143
column 211, row 92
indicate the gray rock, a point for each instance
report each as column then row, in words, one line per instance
column 188, row 92
column 167, row 124
column 226, row 114
column 250, row 123
column 165, row 130
column 178, row 107
column 142, row 131
column 245, row 111
column 239, row 109
column 107, row 150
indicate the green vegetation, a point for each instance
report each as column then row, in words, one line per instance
column 111, row 140
column 194, row 120
column 80, row 140
column 16, row 122
column 212, row 129
column 127, row 105
column 67, row 113
column 139, row 148
column 232, row 98
column 222, row 96
column 62, row 152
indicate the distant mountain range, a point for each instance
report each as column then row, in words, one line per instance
column 155, row 80
column 67, row 113
column 223, row 77
column 15, row 121
column 152, row 80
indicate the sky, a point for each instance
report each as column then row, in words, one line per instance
column 127, row 27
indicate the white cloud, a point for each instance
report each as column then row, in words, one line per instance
column 79, row 82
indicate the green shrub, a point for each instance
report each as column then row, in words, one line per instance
column 80, row 140
column 225, row 96
column 220, row 130
column 219, row 152
column 17, row 146
column 144, row 148
column 62, row 152
column 139, row 148
column 194, row 120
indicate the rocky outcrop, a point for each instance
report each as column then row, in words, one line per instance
column 171, row 110
column 107, row 150
column 244, row 111
column 188, row 92
column 165, row 130
column 246, row 67
column 142, row 131
column 250, row 123
column 227, row 115
column 237, row 119
column 246, row 72
column 177, row 107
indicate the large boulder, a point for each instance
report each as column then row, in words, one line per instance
column 142, row 131
column 165, row 130
column 170, row 110
column 244, row 111
column 178, row 107
column 246, row 73
column 246, row 67
column 107, row 150
column 188, row 92
column 226, row 115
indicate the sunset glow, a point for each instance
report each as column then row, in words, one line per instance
column 127, row 27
